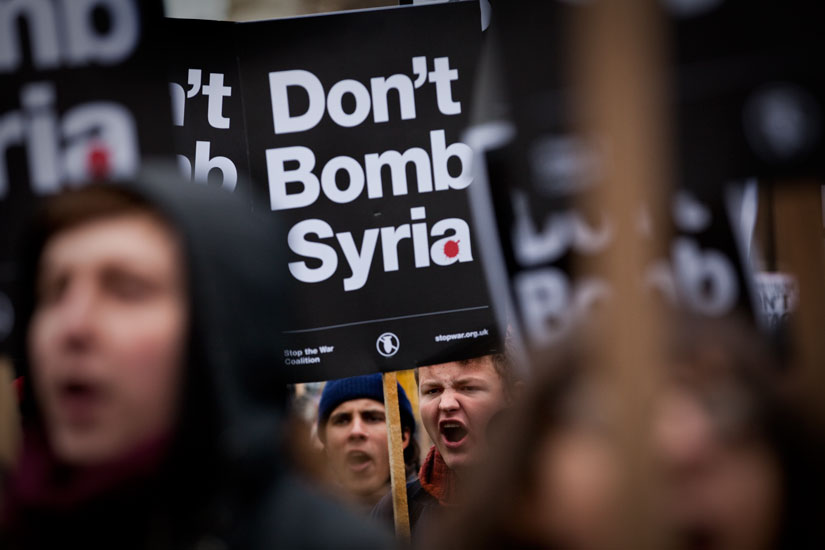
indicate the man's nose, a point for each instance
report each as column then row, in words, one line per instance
column 448, row 401
column 358, row 429
column 77, row 313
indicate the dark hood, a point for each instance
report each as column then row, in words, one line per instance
column 233, row 392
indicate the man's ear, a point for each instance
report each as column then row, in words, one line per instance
column 405, row 437
column 321, row 433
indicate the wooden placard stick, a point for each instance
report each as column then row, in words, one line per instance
column 395, row 443
column 10, row 430
column 799, row 249
column 619, row 72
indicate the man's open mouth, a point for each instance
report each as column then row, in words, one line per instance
column 453, row 432
column 79, row 400
column 358, row 459
column 698, row 538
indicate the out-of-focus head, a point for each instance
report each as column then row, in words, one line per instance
column 718, row 439
column 722, row 481
column 725, row 449
column 719, row 480
column 352, row 427
column 107, row 333
column 458, row 400
column 717, row 472
column 171, row 328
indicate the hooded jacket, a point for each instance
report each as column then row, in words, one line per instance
column 221, row 480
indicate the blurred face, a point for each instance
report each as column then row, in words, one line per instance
column 723, row 486
column 457, row 402
column 570, row 504
column 107, row 336
column 720, row 489
column 576, row 485
column 355, row 442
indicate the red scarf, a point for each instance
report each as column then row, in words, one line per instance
column 40, row 482
column 437, row 478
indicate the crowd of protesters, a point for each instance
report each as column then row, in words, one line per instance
column 150, row 419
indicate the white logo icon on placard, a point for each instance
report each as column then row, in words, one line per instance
column 387, row 344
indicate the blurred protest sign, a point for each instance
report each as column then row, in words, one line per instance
column 83, row 98
column 749, row 90
column 353, row 123
column 539, row 170
column 207, row 101
column 778, row 297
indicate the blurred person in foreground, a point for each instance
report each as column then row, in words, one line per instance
column 153, row 404
column 353, row 429
column 735, row 465
column 458, row 402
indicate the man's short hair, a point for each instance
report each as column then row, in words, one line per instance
column 89, row 203
column 502, row 364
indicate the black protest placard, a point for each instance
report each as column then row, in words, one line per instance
column 540, row 174
column 354, row 122
column 750, row 88
column 83, row 97
column 207, row 102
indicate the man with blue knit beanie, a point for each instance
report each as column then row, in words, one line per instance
column 352, row 427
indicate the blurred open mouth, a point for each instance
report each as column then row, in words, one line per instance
column 79, row 401
column 698, row 537
column 358, row 461
column 453, row 433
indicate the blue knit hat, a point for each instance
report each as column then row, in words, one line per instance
column 369, row 386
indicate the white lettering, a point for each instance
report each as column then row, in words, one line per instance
column 706, row 279
column 279, row 176
column 359, row 262
column 216, row 91
column 282, row 120
column 204, row 164
column 298, row 243
column 442, row 76
column 371, row 177
column 86, row 44
column 398, row 171
column 354, row 173
column 336, row 108
column 456, row 247
column 406, row 97
column 442, row 155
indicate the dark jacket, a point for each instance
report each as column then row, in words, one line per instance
column 222, row 481
column 422, row 507
column 427, row 497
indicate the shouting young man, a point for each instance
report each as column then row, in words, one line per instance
column 152, row 406
column 457, row 401
column 352, row 426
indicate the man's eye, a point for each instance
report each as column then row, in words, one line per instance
column 339, row 421
column 374, row 417
column 431, row 391
column 50, row 291
column 129, row 288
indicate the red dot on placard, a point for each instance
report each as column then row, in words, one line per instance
column 451, row 249
column 98, row 161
